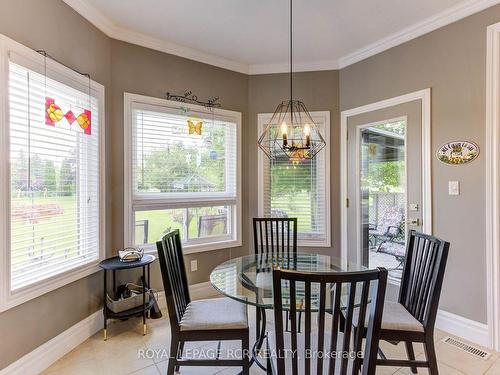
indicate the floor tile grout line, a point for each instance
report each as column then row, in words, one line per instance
column 142, row 368
column 490, row 366
column 157, row 368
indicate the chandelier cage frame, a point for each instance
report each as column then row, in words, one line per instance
column 296, row 144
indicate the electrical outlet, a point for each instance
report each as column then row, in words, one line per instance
column 453, row 188
column 194, row 265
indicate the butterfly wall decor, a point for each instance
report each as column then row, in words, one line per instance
column 195, row 127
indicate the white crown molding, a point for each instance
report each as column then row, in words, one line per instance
column 297, row 67
column 104, row 24
column 432, row 23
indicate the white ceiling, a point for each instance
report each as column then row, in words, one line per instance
column 251, row 36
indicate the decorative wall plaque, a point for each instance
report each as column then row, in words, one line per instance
column 458, row 152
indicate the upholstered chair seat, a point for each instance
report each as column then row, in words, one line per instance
column 218, row 313
column 396, row 317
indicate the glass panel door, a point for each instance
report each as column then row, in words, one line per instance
column 383, row 195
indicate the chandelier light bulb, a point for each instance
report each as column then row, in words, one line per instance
column 284, row 133
column 284, row 128
column 307, row 133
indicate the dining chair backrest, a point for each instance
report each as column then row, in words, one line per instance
column 274, row 235
column 422, row 276
column 328, row 346
column 174, row 276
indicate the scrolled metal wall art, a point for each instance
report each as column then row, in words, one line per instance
column 188, row 97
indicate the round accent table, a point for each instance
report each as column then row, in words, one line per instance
column 114, row 264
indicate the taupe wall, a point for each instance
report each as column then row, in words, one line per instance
column 143, row 71
column 53, row 26
column 320, row 92
column 451, row 61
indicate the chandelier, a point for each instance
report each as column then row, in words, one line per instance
column 291, row 132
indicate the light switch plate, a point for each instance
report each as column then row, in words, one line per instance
column 453, row 188
column 194, row 265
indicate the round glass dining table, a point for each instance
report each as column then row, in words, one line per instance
column 249, row 280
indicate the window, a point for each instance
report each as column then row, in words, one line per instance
column 53, row 130
column 301, row 190
column 182, row 173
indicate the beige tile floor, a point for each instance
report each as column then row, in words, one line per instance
column 121, row 354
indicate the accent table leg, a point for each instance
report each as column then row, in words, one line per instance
column 144, row 329
column 105, row 331
column 149, row 286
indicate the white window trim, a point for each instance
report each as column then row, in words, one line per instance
column 153, row 202
column 262, row 120
column 10, row 299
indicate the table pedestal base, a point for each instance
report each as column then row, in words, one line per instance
column 260, row 339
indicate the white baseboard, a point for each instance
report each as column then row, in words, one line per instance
column 49, row 352
column 46, row 354
column 462, row 327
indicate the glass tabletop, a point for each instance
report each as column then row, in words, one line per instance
column 249, row 279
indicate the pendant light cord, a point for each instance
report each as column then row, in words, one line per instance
column 291, row 66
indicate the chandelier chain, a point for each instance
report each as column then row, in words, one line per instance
column 291, row 59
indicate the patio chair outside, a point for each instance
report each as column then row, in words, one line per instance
column 388, row 229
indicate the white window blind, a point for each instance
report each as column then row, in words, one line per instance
column 299, row 189
column 54, row 179
column 184, row 174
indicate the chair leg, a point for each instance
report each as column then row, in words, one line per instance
column 257, row 323
column 380, row 245
column 269, row 366
column 358, row 342
column 172, row 361
column 287, row 318
column 245, row 345
column 430, row 353
column 179, row 354
column 411, row 355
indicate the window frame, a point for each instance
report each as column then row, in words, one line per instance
column 169, row 200
column 323, row 116
column 35, row 61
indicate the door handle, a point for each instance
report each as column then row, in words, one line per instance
column 414, row 222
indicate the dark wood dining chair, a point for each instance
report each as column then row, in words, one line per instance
column 323, row 348
column 273, row 235
column 201, row 320
column 412, row 318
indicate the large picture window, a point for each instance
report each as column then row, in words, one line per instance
column 183, row 173
column 53, row 131
column 298, row 189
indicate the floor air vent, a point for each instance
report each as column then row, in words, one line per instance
column 475, row 351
